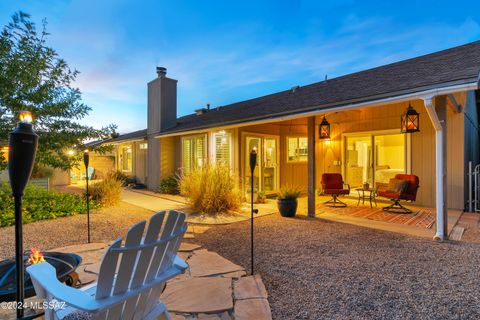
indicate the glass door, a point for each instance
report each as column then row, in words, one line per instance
column 389, row 157
column 269, row 172
column 358, row 160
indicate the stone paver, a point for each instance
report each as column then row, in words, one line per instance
column 249, row 287
column 187, row 247
column 204, row 291
column 205, row 263
column 249, row 309
column 196, row 295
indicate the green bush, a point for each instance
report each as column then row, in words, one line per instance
column 108, row 191
column 169, row 186
column 211, row 190
column 289, row 192
column 39, row 204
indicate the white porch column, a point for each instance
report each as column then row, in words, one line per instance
column 311, row 167
column 440, row 190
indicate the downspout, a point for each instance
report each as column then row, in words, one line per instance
column 439, row 203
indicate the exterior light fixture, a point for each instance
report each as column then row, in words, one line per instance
column 22, row 149
column 253, row 164
column 324, row 129
column 410, row 120
column 86, row 160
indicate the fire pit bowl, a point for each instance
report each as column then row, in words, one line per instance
column 64, row 263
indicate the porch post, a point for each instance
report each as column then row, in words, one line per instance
column 440, row 169
column 311, row 167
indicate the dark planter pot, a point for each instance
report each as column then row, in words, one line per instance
column 287, row 207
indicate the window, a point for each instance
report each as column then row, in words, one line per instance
column 297, row 149
column 126, row 159
column 193, row 153
column 222, row 148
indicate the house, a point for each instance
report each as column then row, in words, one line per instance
column 365, row 144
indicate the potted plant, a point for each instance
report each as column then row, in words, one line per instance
column 287, row 201
column 366, row 186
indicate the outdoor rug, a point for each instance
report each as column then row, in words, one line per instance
column 420, row 217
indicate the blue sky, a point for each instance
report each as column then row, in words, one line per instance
column 224, row 51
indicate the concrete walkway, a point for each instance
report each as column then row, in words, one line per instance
column 150, row 202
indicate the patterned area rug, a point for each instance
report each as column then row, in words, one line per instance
column 420, row 218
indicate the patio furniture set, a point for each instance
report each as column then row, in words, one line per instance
column 401, row 187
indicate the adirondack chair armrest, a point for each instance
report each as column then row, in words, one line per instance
column 44, row 278
column 180, row 263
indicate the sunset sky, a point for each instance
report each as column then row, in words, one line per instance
column 222, row 52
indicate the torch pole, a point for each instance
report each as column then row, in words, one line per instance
column 86, row 161
column 253, row 164
column 251, row 221
column 88, row 209
column 19, row 263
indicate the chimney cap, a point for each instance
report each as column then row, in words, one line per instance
column 161, row 71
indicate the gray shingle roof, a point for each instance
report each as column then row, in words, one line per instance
column 136, row 135
column 456, row 65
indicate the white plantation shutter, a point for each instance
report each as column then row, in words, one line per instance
column 222, row 148
column 193, row 153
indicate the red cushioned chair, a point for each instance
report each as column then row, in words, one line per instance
column 409, row 193
column 332, row 184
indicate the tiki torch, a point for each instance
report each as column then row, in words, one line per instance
column 253, row 163
column 21, row 156
column 86, row 160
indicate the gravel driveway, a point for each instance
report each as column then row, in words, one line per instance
column 315, row 269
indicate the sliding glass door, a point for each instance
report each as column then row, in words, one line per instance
column 377, row 165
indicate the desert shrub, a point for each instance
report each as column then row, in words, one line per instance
column 108, row 191
column 169, row 185
column 40, row 204
column 289, row 192
column 211, row 190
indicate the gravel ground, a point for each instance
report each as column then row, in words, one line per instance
column 315, row 269
column 106, row 224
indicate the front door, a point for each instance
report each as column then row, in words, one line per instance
column 265, row 175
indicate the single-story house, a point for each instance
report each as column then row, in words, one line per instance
column 365, row 142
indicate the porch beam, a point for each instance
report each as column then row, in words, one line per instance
column 439, row 125
column 456, row 106
column 311, row 167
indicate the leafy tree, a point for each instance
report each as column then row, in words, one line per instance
column 33, row 77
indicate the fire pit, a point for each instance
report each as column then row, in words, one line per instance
column 64, row 263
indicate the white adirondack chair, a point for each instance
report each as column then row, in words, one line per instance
column 131, row 278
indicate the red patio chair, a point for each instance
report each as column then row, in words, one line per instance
column 332, row 184
column 396, row 192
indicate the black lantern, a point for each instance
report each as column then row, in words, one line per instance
column 410, row 120
column 253, row 164
column 86, row 160
column 21, row 156
column 324, row 129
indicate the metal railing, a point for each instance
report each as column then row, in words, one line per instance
column 473, row 187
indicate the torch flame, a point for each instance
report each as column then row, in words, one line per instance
column 26, row 117
column 35, row 257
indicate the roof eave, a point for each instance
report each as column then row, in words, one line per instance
column 386, row 98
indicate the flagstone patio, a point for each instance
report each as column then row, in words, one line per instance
column 211, row 288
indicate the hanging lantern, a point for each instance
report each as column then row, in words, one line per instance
column 410, row 120
column 324, row 130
